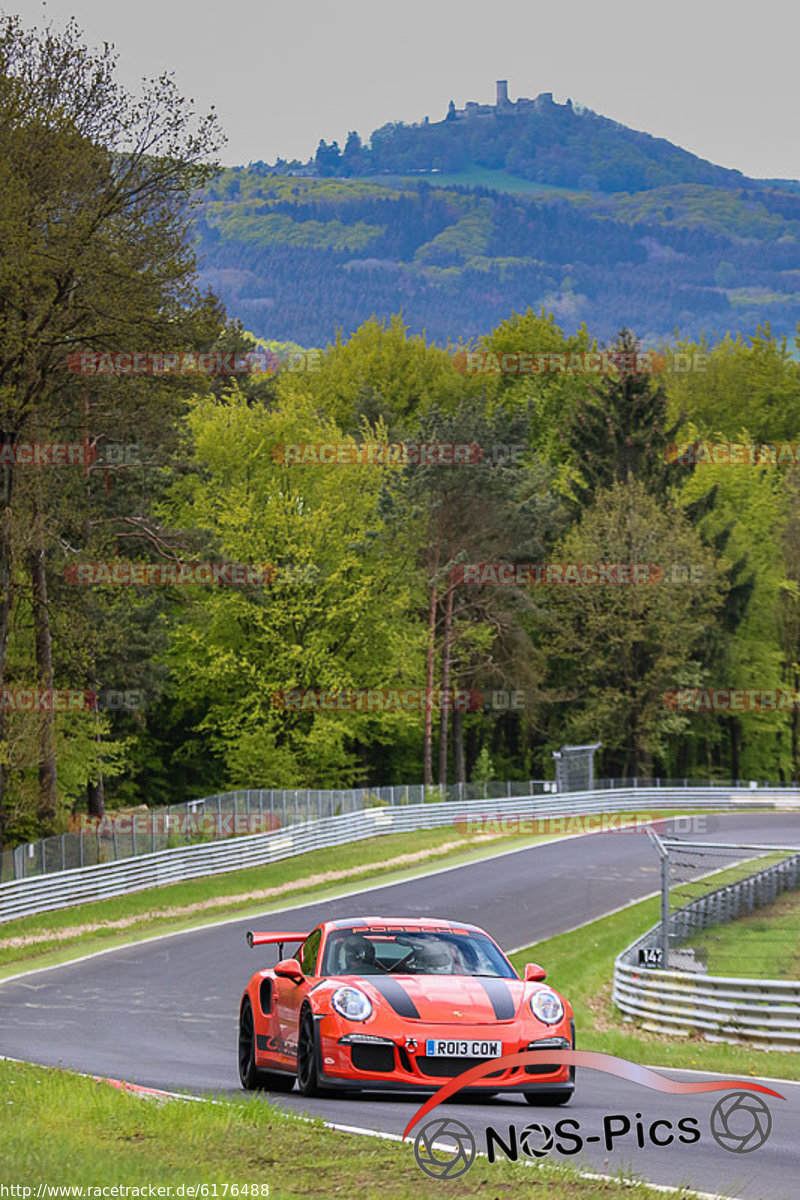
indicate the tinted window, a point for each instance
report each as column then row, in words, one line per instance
column 308, row 952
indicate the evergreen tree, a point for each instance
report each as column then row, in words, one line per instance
column 621, row 429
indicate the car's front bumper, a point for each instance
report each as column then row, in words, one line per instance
column 388, row 1062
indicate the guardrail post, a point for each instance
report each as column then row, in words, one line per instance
column 63, row 860
column 665, row 908
column 114, row 838
column 133, row 837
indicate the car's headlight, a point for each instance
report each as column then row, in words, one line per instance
column 352, row 1003
column 547, row 1006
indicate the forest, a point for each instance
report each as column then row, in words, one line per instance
column 190, row 559
column 298, row 258
column 353, row 571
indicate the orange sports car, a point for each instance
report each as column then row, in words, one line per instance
column 408, row 1003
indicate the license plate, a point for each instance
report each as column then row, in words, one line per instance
column 439, row 1048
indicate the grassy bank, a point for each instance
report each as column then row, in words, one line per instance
column 763, row 945
column 62, row 1129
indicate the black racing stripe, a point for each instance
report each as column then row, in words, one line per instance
column 500, row 995
column 396, row 995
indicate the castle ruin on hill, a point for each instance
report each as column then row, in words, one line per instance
column 503, row 105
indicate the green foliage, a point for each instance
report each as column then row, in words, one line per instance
column 616, row 650
column 297, row 258
column 483, row 771
column 343, row 628
column 742, row 383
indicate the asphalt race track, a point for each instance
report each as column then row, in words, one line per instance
column 164, row 1013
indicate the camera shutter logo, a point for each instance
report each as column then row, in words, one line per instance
column 433, row 1161
column 536, row 1140
column 740, row 1122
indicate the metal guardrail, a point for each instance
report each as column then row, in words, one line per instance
column 258, row 810
column 44, row 893
column 213, row 818
column 762, row 1013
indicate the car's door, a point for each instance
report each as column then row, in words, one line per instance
column 290, row 994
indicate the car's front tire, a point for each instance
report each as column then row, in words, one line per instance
column 251, row 1076
column 307, row 1055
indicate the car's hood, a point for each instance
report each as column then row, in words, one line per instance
column 443, row 999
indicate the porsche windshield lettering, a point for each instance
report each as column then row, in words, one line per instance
column 370, row 951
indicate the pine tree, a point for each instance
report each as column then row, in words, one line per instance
column 620, row 429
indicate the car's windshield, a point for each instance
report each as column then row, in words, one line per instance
column 362, row 950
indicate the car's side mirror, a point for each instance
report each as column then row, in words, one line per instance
column 534, row 973
column 289, row 968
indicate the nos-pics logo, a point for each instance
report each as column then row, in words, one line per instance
column 445, row 1148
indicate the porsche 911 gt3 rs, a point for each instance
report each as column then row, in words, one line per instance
column 399, row 1003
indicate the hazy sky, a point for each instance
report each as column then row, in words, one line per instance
column 719, row 77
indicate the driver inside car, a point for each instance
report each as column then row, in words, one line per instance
column 359, row 957
column 438, row 958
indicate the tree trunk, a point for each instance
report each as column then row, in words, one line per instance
column 444, row 727
column 794, row 720
column 5, row 610
column 734, row 730
column 427, row 768
column 48, row 789
column 459, row 765
column 96, row 792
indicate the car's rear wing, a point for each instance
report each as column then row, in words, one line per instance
column 267, row 939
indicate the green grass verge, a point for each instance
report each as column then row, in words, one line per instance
column 762, row 945
column 63, row 1129
column 495, row 178
column 104, row 924
column 580, row 964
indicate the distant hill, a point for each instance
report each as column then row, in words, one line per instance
column 499, row 208
column 539, row 140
